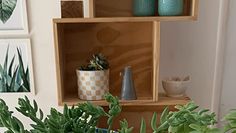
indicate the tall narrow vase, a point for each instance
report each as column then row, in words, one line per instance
column 170, row 7
column 144, row 7
column 128, row 91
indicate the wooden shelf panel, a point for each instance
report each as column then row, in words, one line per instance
column 146, row 102
column 75, row 100
column 125, row 19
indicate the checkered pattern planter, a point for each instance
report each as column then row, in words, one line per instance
column 92, row 85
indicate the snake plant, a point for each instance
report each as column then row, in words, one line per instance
column 14, row 78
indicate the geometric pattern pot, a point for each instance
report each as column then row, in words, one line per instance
column 92, row 85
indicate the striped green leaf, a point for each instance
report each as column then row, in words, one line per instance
column 6, row 9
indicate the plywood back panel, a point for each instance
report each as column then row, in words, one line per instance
column 124, row 8
column 72, row 9
column 124, row 44
column 113, row 8
column 134, row 116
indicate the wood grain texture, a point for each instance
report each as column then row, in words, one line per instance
column 72, row 9
column 113, row 8
column 58, row 32
column 146, row 102
column 122, row 8
column 156, row 58
column 124, row 44
column 124, row 19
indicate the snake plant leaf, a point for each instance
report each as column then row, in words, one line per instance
column 13, row 83
column 10, row 67
column 6, row 9
column 24, row 75
column 3, row 85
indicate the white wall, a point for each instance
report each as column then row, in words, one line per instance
column 40, row 14
column 228, row 98
column 187, row 48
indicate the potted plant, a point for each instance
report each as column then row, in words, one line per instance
column 93, row 79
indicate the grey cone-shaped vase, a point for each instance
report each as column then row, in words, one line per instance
column 128, row 90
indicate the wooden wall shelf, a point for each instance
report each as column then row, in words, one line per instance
column 123, row 9
column 124, row 43
column 163, row 101
column 126, row 40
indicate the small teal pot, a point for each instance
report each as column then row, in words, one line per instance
column 170, row 7
column 144, row 7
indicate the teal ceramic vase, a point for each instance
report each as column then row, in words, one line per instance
column 170, row 7
column 144, row 7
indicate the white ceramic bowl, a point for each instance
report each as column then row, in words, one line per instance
column 176, row 87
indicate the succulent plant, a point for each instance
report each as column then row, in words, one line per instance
column 97, row 62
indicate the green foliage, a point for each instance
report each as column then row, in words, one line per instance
column 83, row 118
column 114, row 107
column 6, row 9
column 14, row 80
column 143, row 126
column 185, row 120
column 231, row 121
column 97, row 62
column 8, row 121
column 125, row 127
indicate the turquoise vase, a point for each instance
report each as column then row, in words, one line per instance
column 144, row 7
column 170, row 7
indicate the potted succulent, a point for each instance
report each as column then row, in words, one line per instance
column 93, row 79
column 83, row 118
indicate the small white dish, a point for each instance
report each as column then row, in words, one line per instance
column 176, row 86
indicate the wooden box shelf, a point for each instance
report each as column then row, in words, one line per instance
column 123, row 42
column 123, row 9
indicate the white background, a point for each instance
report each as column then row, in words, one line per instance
column 13, row 45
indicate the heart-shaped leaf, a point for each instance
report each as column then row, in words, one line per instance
column 6, row 9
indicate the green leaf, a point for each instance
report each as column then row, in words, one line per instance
column 12, row 85
column 164, row 115
column 154, row 122
column 10, row 67
column 6, row 60
column 6, row 9
column 24, row 76
column 143, row 126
